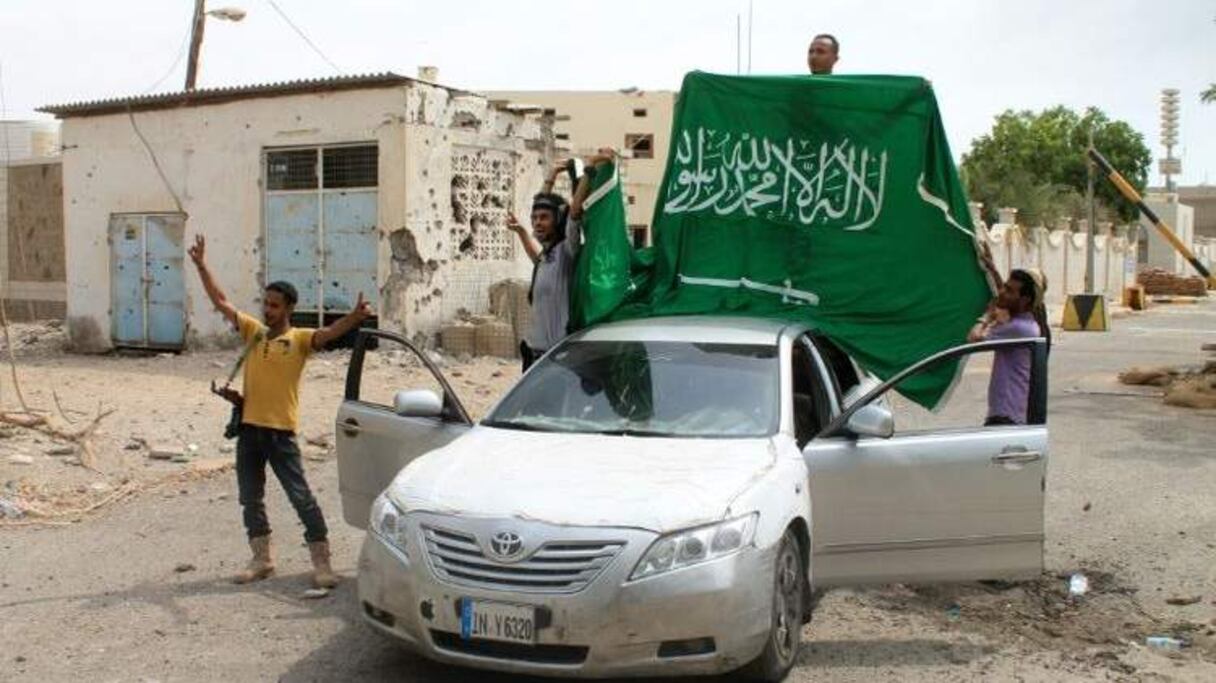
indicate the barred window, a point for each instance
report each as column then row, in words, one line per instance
column 351, row 166
column 294, row 169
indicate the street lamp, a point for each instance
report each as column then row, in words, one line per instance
column 196, row 34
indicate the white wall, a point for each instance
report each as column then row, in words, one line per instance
column 1060, row 254
column 212, row 157
column 1181, row 218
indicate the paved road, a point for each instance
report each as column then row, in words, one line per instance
column 1129, row 500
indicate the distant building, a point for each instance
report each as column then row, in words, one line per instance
column 635, row 121
column 31, row 220
column 22, row 140
column 380, row 184
column 1202, row 198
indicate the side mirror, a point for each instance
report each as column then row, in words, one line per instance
column 872, row 420
column 418, row 403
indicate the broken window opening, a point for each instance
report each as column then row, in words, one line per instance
column 641, row 144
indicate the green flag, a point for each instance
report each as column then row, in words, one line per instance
column 602, row 275
column 832, row 200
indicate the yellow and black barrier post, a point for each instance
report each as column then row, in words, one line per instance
column 1125, row 188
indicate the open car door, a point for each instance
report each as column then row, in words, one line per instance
column 381, row 428
column 931, row 504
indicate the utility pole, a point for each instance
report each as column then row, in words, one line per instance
column 196, row 43
column 738, row 44
column 749, row 37
column 1089, row 238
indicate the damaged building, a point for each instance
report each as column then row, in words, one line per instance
column 390, row 186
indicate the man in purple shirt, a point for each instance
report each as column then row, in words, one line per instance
column 1011, row 316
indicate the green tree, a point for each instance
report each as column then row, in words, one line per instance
column 1208, row 96
column 1036, row 163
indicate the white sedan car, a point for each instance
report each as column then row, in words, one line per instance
column 660, row 497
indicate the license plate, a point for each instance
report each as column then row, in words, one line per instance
column 498, row 621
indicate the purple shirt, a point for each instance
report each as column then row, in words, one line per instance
column 1009, row 388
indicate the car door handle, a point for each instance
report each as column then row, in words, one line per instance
column 1016, row 457
column 350, row 427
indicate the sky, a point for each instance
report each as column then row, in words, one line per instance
column 983, row 56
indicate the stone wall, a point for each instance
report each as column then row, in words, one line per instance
column 31, row 231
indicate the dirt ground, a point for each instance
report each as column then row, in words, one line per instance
column 135, row 589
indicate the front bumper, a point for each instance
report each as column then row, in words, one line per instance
column 612, row 627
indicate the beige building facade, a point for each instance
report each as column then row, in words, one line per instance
column 637, row 122
column 380, row 184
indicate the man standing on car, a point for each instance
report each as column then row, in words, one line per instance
column 270, row 417
column 821, row 56
column 1011, row 316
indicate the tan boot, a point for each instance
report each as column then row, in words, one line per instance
column 323, row 575
column 261, row 565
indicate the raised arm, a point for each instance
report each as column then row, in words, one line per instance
column 198, row 254
column 335, row 330
column 530, row 245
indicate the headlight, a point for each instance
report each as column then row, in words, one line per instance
column 388, row 522
column 694, row 546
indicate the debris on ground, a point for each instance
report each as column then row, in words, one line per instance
column 10, row 510
column 183, row 568
column 1078, row 585
column 315, row 593
column 165, row 452
column 1185, row 386
column 1184, row 601
column 1165, row 643
column 1158, row 282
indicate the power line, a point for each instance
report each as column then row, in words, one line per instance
column 300, row 33
column 181, row 52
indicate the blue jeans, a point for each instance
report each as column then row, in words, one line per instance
column 257, row 446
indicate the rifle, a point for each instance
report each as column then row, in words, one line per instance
column 233, row 396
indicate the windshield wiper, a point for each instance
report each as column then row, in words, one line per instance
column 508, row 424
column 634, row 432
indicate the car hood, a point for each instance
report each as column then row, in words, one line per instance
column 658, row 484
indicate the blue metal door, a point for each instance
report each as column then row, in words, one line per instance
column 127, row 280
column 165, row 288
column 292, row 249
column 147, row 289
column 349, row 255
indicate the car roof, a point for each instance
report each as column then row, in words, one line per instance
column 720, row 329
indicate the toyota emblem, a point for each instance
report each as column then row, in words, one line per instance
column 506, row 544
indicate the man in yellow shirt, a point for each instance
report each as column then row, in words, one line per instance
column 271, row 415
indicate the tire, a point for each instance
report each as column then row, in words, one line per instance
column 790, row 589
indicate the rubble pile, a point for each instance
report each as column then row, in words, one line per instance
column 1186, row 387
column 1157, row 282
column 498, row 334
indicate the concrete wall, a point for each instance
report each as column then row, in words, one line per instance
column 31, row 239
column 1201, row 198
column 594, row 119
column 212, row 158
column 1060, row 254
column 1160, row 253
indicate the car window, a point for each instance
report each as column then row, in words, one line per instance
column 648, row 389
column 388, row 367
column 843, row 371
column 811, row 409
column 969, row 404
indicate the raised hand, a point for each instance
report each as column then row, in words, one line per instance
column 362, row 308
column 198, row 252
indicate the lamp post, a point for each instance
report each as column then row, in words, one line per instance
column 196, row 34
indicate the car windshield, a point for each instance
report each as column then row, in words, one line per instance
column 648, row 389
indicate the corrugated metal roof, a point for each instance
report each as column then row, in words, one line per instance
column 227, row 94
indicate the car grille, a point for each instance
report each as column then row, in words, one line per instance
column 557, row 567
column 569, row 655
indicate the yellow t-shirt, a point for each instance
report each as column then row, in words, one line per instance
column 272, row 375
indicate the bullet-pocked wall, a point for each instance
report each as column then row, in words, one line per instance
column 434, row 256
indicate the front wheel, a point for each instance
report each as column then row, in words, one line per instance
column 789, row 603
